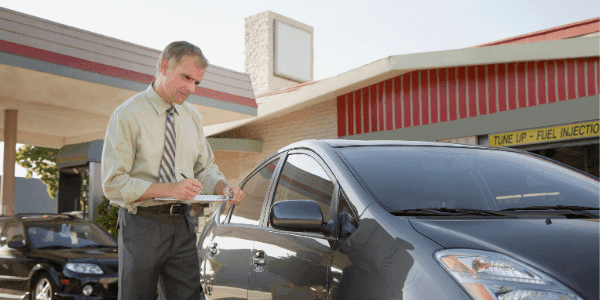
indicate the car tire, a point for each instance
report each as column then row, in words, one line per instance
column 43, row 287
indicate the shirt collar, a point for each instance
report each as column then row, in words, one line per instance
column 159, row 104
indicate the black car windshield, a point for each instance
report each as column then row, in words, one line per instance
column 413, row 177
column 56, row 235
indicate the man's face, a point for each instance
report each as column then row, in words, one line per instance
column 181, row 80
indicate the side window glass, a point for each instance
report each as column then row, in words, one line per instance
column 344, row 206
column 4, row 236
column 11, row 232
column 302, row 178
column 256, row 189
column 223, row 213
column 347, row 221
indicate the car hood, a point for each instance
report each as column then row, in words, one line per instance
column 566, row 249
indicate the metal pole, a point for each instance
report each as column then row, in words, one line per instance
column 95, row 193
column 7, row 196
column 85, row 192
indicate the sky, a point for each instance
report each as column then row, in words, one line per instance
column 348, row 34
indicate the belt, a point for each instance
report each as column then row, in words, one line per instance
column 167, row 209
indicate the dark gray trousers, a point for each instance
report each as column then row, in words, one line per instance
column 153, row 246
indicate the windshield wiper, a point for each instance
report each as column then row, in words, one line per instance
column 54, row 247
column 445, row 212
column 419, row 211
column 553, row 207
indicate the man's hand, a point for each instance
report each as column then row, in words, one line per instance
column 186, row 189
column 238, row 195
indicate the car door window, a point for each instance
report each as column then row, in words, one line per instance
column 303, row 178
column 255, row 189
column 224, row 212
column 344, row 206
column 12, row 232
column 347, row 220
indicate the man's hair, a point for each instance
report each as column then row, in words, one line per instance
column 175, row 51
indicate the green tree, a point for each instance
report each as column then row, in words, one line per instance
column 43, row 162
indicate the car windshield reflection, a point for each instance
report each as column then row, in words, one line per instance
column 407, row 178
column 67, row 235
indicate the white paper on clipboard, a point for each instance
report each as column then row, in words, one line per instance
column 200, row 198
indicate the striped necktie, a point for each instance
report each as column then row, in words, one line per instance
column 167, row 164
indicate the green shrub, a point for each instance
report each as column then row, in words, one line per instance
column 107, row 217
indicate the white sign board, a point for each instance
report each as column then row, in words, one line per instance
column 292, row 52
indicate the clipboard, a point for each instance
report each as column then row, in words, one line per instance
column 200, row 198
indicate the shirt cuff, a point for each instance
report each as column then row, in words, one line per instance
column 210, row 183
column 133, row 190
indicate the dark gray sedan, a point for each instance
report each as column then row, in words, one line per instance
column 340, row 219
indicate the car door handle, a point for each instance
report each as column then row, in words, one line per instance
column 259, row 258
column 213, row 250
column 259, row 261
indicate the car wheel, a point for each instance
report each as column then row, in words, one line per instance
column 44, row 287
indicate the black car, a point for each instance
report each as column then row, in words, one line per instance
column 55, row 256
column 341, row 219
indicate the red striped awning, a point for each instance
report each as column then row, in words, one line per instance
column 439, row 95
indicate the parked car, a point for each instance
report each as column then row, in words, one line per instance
column 54, row 256
column 341, row 219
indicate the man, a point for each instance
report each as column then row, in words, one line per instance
column 155, row 147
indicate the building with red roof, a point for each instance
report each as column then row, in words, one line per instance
column 537, row 92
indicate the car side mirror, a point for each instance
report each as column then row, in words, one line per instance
column 301, row 215
column 16, row 242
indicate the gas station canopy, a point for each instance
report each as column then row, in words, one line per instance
column 61, row 84
column 65, row 82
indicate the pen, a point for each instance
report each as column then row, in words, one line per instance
column 185, row 177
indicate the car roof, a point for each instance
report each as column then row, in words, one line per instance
column 340, row 143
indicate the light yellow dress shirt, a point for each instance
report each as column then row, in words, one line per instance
column 134, row 143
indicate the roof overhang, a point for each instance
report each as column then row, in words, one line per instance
column 277, row 104
column 577, row 29
column 79, row 154
column 66, row 82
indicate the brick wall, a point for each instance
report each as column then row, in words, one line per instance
column 314, row 122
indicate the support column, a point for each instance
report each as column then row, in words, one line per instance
column 95, row 189
column 7, row 195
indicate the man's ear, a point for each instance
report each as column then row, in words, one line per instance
column 164, row 66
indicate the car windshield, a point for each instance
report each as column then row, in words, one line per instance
column 67, row 235
column 413, row 177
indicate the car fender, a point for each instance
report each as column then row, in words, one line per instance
column 386, row 258
column 44, row 267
